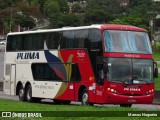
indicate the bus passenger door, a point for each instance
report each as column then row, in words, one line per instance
column 75, row 77
column 71, row 91
column 13, row 79
column 99, row 81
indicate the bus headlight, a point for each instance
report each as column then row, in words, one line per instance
column 149, row 91
column 111, row 90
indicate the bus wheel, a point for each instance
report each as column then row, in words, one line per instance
column 21, row 94
column 125, row 105
column 29, row 93
column 84, row 97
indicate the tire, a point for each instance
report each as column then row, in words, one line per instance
column 126, row 105
column 84, row 97
column 21, row 94
column 29, row 97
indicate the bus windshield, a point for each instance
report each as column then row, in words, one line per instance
column 129, row 71
column 127, row 42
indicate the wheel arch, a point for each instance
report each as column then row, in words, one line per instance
column 27, row 83
column 19, row 84
column 81, row 89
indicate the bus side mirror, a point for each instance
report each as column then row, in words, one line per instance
column 155, row 70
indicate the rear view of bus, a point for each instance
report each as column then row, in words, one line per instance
column 128, row 65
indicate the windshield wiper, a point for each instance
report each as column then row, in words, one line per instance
column 117, row 81
column 137, row 78
column 133, row 79
column 128, row 81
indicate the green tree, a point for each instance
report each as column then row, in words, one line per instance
column 130, row 20
column 101, row 11
column 62, row 20
column 64, row 8
column 51, row 7
column 21, row 15
column 134, row 3
column 77, row 8
column 5, row 20
column 110, row 6
column 25, row 21
column 97, row 16
column 41, row 5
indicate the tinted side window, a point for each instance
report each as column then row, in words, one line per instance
column 75, row 75
column 53, row 40
column 42, row 72
column 33, row 42
column 74, row 39
column 67, row 39
column 12, row 43
column 21, row 42
column 25, row 42
column 81, row 37
column 95, row 39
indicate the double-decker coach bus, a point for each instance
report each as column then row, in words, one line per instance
column 102, row 64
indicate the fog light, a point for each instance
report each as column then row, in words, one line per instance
column 147, row 92
column 115, row 91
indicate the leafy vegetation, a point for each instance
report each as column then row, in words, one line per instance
column 157, row 83
column 11, row 105
column 25, row 12
column 156, row 56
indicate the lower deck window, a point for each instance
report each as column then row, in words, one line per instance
column 42, row 71
column 45, row 72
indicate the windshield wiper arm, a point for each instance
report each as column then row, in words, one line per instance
column 116, row 81
column 138, row 78
column 128, row 81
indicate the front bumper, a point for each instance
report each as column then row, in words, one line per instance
column 123, row 99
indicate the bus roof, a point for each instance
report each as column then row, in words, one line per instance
column 122, row 27
column 98, row 26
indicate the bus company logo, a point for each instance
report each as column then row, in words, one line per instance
column 28, row 55
column 80, row 53
column 132, row 88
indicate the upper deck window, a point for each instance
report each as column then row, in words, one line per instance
column 126, row 41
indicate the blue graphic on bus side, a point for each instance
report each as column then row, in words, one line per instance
column 57, row 67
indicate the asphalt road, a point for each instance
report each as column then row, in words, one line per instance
column 148, row 107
